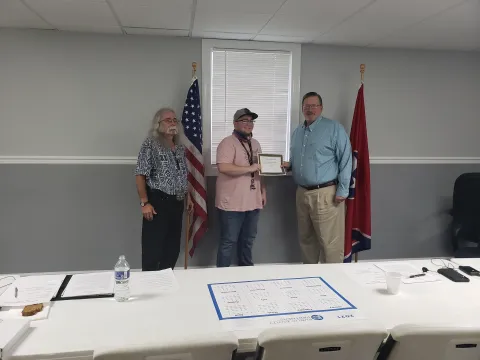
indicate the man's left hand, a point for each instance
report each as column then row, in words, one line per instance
column 339, row 199
column 264, row 198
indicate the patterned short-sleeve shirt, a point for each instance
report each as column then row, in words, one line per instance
column 164, row 169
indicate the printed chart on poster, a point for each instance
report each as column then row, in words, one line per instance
column 263, row 298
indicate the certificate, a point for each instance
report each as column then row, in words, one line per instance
column 271, row 164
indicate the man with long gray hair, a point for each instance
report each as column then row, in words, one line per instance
column 161, row 178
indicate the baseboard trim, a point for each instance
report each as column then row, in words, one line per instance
column 131, row 160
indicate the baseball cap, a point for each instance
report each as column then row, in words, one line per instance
column 242, row 112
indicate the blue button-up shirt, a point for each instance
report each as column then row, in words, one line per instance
column 321, row 153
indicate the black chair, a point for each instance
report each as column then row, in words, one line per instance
column 466, row 216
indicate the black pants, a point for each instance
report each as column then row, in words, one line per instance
column 161, row 236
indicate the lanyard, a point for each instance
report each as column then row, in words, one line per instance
column 250, row 161
column 249, row 154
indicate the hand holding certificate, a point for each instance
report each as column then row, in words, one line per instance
column 271, row 165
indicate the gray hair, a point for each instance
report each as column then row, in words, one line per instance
column 154, row 132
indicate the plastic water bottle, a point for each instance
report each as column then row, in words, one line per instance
column 122, row 277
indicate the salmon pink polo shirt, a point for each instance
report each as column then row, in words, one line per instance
column 233, row 193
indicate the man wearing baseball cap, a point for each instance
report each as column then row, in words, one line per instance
column 239, row 192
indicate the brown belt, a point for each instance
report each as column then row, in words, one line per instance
column 319, row 186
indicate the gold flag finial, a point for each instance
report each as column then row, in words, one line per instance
column 194, row 68
column 362, row 71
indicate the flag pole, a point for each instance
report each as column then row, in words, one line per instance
column 362, row 71
column 187, row 229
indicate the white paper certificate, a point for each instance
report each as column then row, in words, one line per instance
column 271, row 164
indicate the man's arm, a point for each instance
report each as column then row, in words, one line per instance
column 140, row 180
column 144, row 166
column 235, row 170
column 343, row 153
column 225, row 158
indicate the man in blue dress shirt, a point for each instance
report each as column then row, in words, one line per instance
column 321, row 163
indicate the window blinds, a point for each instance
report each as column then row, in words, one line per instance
column 259, row 81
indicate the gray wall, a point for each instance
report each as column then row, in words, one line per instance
column 70, row 217
column 87, row 95
column 91, row 95
column 418, row 103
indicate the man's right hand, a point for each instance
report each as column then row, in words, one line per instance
column 148, row 211
column 254, row 168
column 286, row 165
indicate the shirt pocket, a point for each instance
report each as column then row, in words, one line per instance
column 163, row 164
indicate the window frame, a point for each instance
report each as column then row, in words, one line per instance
column 210, row 44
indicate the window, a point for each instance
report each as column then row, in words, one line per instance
column 258, row 76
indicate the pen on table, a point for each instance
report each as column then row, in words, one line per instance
column 414, row 276
column 16, row 292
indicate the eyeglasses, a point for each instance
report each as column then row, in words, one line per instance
column 171, row 121
column 246, row 121
column 308, row 107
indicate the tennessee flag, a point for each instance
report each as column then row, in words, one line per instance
column 358, row 230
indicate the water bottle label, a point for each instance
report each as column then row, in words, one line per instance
column 122, row 275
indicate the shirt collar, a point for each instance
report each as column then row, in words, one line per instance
column 242, row 137
column 312, row 125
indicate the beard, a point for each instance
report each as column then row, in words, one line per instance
column 172, row 130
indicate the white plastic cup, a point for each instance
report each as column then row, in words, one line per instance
column 394, row 279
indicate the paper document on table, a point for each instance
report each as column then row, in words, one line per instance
column 275, row 297
column 280, row 302
column 30, row 290
column 6, row 281
column 365, row 274
column 148, row 282
column 406, row 269
column 99, row 283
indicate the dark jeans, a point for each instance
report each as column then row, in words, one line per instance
column 161, row 237
column 240, row 228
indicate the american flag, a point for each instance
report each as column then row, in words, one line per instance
column 192, row 124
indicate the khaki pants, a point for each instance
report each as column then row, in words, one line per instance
column 321, row 225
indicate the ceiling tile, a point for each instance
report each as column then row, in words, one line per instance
column 295, row 25
column 324, row 9
column 274, row 38
column 217, row 21
column 75, row 13
column 311, row 18
column 455, row 29
column 162, row 32
column 382, row 18
column 222, row 35
column 243, row 6
column 159, row 14
column 14, row 14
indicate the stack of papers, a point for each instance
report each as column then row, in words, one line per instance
column 91, row 284
column 365, row 274
column 372, row 274
column 153, row 282
column 406, row 270
column 31, row 290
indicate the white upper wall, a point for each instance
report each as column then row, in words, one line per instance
column 64, row 94
column 418, row 103
column 68, row 94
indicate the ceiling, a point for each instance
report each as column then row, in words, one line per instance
column 426, row 24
